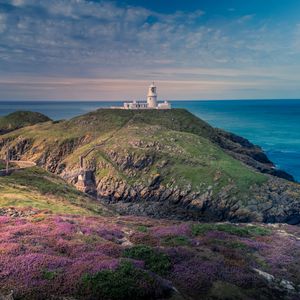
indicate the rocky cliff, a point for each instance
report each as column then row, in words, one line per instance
column 163, row 164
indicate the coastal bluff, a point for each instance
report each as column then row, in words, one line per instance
column 160, row 163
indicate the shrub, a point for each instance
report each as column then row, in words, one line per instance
column 142, row 228
column 200, row 229
column 172, row 230
column 154, row 260
column 173, row 241
column 49, row 275
column 126, row 282
column 237, row 245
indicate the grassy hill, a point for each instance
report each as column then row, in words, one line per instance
column 20, row 119
column 185, row 141
column 142, row 158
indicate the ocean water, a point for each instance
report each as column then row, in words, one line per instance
column 272, row 124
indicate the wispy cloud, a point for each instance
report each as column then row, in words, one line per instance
column 245, row 18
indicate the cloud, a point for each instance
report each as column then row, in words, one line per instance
column 245, row 18
column 18, row 2
column 296, row 40
column 2, row 23
column 104, row 39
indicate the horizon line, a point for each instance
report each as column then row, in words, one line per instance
column 174, row 100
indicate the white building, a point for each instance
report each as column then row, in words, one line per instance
column 151, row 101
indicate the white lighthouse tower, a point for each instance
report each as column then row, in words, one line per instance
column 152, row 96
column 151, row 101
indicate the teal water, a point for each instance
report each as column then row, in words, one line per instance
column 272, row 124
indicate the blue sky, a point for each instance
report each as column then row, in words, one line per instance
column 111, row 50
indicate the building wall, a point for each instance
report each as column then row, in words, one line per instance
column 135, row 105
column 164, row 105
column 152, row 101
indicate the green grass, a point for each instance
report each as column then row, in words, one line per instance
column 237, row 245
column 49, row 275
column 202, row 229
column 103, row 121
column 37, row 188
column 142, row 228
column 198, row 161
column 155, row 261
column 172, row 241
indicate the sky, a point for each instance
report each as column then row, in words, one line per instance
column 112, row 50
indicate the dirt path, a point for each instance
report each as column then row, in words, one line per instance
column 21, row 165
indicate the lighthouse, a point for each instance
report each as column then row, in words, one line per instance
column 152, row 96
column 150, row 104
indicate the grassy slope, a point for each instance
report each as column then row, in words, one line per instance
column 42, row 190
column 103, row 121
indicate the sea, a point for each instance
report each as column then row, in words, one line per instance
column 272, row 124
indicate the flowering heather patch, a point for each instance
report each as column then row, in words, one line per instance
column 111, row 258
column 195, row 276
column 144, row 238
column 173, row 230
column 9, row 248
column 4, row 219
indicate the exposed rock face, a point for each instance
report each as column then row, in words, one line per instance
column 52, row 156
column 275, row 201
column 15, row 212
column 270, row 203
